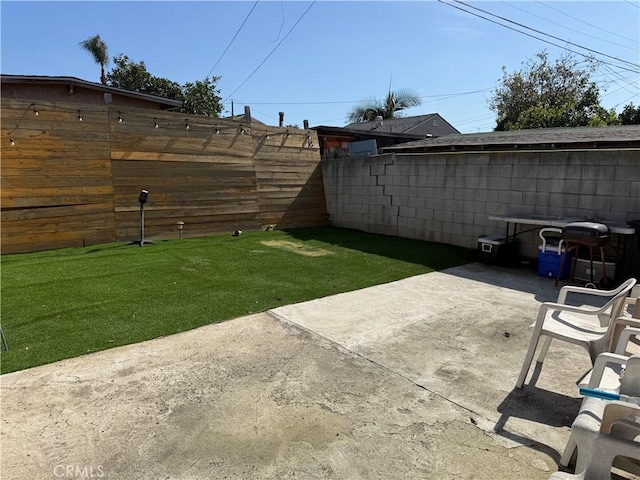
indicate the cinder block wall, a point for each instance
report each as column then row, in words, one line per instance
column 448, row 197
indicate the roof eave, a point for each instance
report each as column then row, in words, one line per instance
column 92, row 85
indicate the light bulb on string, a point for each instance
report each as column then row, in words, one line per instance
column 155, row 123
column 120, row 117
column 36, row 112
column 186, row 125
column 79, row 116
column 217, row 130
column 11, row 142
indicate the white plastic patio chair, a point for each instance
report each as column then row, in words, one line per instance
column 587, row 326
column 608, row 366
column 629, row 308
column 589, row 420
column 617, row 441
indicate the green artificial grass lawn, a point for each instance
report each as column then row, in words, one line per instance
column 64, row 303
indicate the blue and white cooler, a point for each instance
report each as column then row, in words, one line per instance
column 550, row 254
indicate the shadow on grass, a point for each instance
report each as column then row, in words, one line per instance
column 436, row 256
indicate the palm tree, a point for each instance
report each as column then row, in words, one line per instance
column 391, row 107
column 96, row 47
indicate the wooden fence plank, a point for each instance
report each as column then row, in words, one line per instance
column 68, row 183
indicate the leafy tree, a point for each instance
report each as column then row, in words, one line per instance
column 630, row 115
column 390, row 107
column 98, row 49
column 544, row 94
column 199, row 97
column 133, row 76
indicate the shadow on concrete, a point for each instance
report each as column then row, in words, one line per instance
column 536, row 405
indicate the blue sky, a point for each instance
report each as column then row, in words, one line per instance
column 338, row 53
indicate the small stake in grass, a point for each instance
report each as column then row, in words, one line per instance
column 5, row 345
column 180, row 225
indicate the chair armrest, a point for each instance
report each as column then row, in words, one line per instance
column 616, row 411
column 622, row 329
column 601, row 362
column 572, row 308
column 564, row 291
column 627, row 286
column 636, row 308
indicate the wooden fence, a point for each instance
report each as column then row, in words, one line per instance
column 71, row 182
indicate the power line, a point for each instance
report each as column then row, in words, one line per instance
column 625, row 101
column 624, row 87
column 582, row 21
column 620, row 78
column 532, row 36
column 234, row 37
column 572, row 29
column 281, row 25
column 329, row 102
column 273, row 50
column 637, row 5
column 548, row 35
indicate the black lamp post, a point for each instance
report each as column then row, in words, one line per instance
column 142, row 199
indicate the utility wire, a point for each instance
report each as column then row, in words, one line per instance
column 572, row 29
column 234, row 37
column 548, row 35
column 619, row 77
column 637, row 5
column 624, row 87
column 281, row 25
column 273, row 50
column 625, row 101
column 530, row 35
column 442, row 96
column 586, row 23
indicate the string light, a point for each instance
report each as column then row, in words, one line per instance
column 241, row 128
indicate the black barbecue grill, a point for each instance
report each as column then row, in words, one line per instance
column 585, row 234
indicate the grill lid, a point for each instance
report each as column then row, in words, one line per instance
column 587, row 229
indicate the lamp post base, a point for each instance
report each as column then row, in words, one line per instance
column 139, row 243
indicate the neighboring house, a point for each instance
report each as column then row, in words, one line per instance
column 430, row 125
column 587, row 138
column 70, row 89
column 335, row 141
column 243, row 118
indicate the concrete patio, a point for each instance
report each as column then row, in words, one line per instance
column 412, row 379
